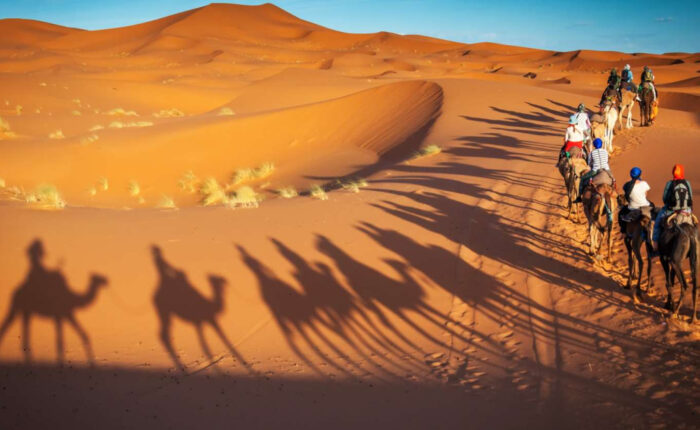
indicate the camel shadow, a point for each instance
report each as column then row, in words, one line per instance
column 45, row 292
column 175, row 296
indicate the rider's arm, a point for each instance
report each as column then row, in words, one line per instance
column 665, row 196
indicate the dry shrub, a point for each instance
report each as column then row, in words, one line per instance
column 189, row 182
column 318, row 192
column 244, row 197
column 166, row 202
column 169, row 113
column 247, row 174
column 120, row 124
column 45, row 196
column 58, row 134
column 134, row 188
column 89, row 139
column 287, row 192
column 5, row 132
column 427, row 151
column 121, row 112
column 212, row 193
column 353, row 185
column 225, row 111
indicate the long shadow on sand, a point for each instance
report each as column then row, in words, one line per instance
column 176, row 297
column 45, row 293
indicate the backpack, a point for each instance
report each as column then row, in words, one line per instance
column 625, row 75
column 680, row 196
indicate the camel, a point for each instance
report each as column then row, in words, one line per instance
column 571, row 170
column 610, row 115
column 599, row 207
column 46, row 293
column 646, row 106
column 627, row 103
column 636, row 232
column 175, row 296
column 679, row 241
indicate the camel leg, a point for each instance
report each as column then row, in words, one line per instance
column 684, row 286
column 650, row 281
column 83, row 337
column 203, row 343
column 59, row 340
column 640, row 266
column 630, row 264
column 164, row 318
column 694, row 277
column 25, row 337
column 668, row 276
column 228, row 344
column 7, row 321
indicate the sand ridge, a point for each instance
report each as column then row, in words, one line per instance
column 447, row 290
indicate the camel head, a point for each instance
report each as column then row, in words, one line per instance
column 217, row 282
column 98, row 281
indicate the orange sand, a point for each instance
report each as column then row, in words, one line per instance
column 449, row 292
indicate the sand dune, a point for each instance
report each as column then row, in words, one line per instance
column 442, row 289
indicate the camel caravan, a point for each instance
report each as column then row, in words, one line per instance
column 669, row 232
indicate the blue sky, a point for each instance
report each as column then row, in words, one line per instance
column 637, row 26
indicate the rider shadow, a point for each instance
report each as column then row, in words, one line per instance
column 45, row 292
column 176, row 297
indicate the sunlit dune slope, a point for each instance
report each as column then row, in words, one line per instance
column 331, row 138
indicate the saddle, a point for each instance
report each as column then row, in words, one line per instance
column 681, row 217
column 634, row 214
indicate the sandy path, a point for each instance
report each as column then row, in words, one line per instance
column 448, row 291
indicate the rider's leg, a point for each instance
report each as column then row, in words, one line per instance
column 657, row 228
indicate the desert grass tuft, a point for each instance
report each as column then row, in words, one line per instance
column 2, row 183
column 96, row 127
column 92, row 191
column 58, row 134
column 89, row 139
column 103, row 184
column 169, row 113
column 244, row 197
column 212, row 193
column 166, row 202
column 45, row 196
column 134, row 188
column 287, row 192
column 5, row 132
column 76, row 112
column 18, row 110
column 353, row 185
column 121, row 112
column 225, row 111
column 427, row 151
column 247, row 174
column 120, row 124
column 316, row 191
column 189, row 182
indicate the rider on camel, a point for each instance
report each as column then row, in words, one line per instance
column 614, row 81
column 626, row 77
column 648, row 78
column 598, row 162
column 635, row 194
column 573, row 138
column 677, row 197
column 583, row 122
